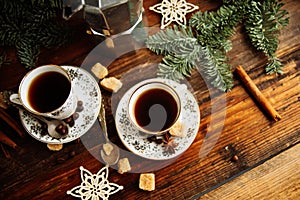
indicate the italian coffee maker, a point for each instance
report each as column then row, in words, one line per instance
column 106, row 17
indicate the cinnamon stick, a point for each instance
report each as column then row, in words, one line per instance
column 11, row 122
column 5, row 152
column 6, row 140
column 261, row 99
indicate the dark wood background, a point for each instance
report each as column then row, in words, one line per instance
column 34, row 172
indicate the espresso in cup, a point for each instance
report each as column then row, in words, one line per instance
column 154, row 107
column 47, row 91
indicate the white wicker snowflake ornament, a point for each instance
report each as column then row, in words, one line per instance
column 94, row 186
column 173, row 11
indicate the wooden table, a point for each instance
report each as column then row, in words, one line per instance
column 268, row 152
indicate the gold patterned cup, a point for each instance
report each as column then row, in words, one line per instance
column 154, row 107
column 47, row 91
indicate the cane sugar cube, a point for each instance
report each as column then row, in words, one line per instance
column 107, row 147
column 147, row 182
column 177, row 129
column 110, row 43
column 124, row 165
column 55, row 147
column 99, row 71
column 111, row 84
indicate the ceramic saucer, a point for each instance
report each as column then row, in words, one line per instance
column 86, row 89
column 140, row 145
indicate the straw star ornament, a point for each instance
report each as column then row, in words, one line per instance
column 94, row 186
column 173, row 11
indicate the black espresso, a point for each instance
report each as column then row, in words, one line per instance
column 48, row 91
column 155, row 110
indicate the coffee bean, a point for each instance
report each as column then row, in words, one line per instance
column 68, row 120
column 79, row 108
column 72, row 153
column 61, row 129
column 159, row 141
column 79, row 103
column 75, row 115
column 64, row 130
column 152, row 138
column 235, row 158
column 71, row 123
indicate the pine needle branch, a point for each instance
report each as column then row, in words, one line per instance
column 28, row 52
column 206, row 40
column 170, row 40
column 214, row 28
column 182, row 57
column 218, row 70
column 181, row 49
column 263, row 24
column 30, row 25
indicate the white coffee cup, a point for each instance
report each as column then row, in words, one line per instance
column 47, row 91
column 154, row 107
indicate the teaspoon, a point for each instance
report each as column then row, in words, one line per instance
column 56, row 128
column 52, row 126
column 114, row 155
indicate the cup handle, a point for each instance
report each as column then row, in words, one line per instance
column 14, row 98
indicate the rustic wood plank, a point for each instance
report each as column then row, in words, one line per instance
column 277, row 178
column 37, row 173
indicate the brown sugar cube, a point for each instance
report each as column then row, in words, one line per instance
column 110, row 43
column 124, row 165
column 147, row 182
column 111, row 84
column 55, row 147
column 99, row 71
column 177, row 129
column 107, row 147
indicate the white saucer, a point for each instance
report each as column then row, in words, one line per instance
column 87, row 90
column 131, row 138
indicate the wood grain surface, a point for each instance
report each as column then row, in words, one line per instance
column 234, row 134
column 276, row 178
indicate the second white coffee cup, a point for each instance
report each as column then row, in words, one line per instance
column 154, row 107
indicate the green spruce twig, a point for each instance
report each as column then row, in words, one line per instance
column 264, row 21
column 31, row 25
column 180, row 47
column 203, row 44
column 214, row 28
column 184, row 53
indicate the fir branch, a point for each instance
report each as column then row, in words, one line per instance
column 10, row 34
column 274, row 65
column 214, row 28
column 218, row 70
column 184, row 49
column 183, row 57
column 55, row 34
column 165, row 42
column 181, row 49
column 181, row 63
column 170, row 68
column 28, row 52
column 264, row 21
column 30, row 25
